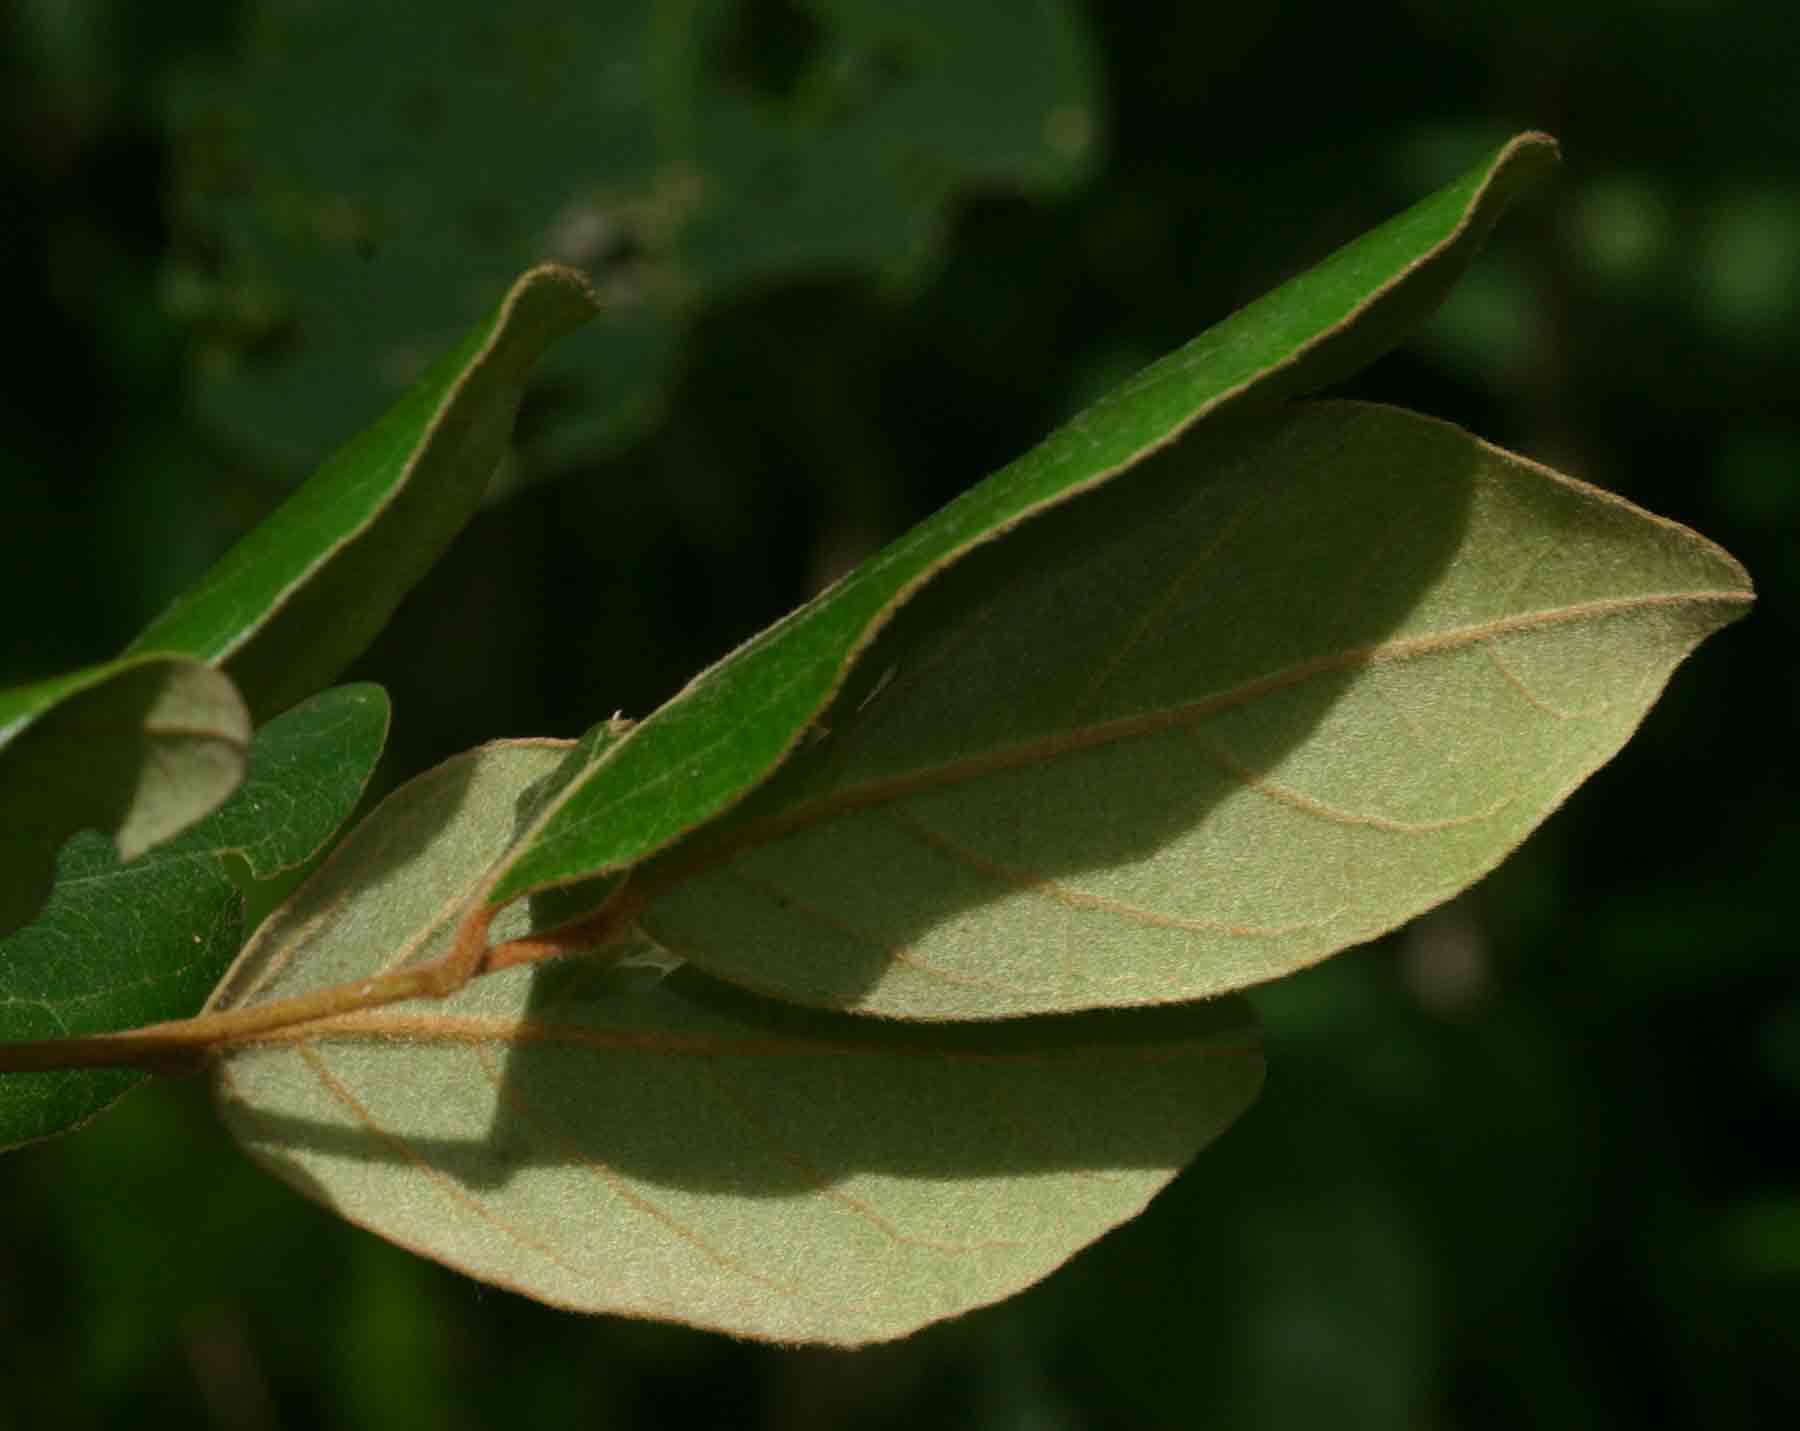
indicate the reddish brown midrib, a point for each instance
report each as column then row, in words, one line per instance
column 663, row 875
column 429, row 1028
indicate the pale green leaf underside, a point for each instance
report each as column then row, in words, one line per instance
column 702, row 751
column 1282, row 691
column 610, row 1139
column 137, row 749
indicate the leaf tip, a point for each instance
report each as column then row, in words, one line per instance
column 1524, row 161
column 569, row 289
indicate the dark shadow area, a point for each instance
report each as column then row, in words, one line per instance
column 686, row 1082
column 766, row 49
column 1564, row 1201
column 1167, row 572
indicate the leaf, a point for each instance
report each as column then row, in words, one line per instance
column 1287, row 688
column 561, row 905
column 305, row 591
column 144, row 746
column 679, row 154
column 122, row 945
column 138, row 749
column 705, row 749
column 610, row 1139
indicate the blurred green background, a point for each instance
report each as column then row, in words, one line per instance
column 1531, row 1162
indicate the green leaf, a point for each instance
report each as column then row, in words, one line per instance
column 122, row 945
column 678, row 153
column 306, row 590
column 1290, row 686
column 613, row 1137
column 564, row 904
column 138, row 749
column 146, row 745
column 706, row 748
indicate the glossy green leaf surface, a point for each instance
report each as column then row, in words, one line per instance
column 137, row 749
column 679, row 153
column 1288, row 687
column 615, row 1137
column 306, row 590
column 705, row 749
column 121, row 945
column 143, row 747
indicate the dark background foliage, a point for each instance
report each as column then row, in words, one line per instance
column 1530, row 1162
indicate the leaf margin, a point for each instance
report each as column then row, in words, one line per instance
column 1485, row 192
column 273, row 647
column 206, row 902
column 1195, row 1036
column 36, row 713
column 716, row 845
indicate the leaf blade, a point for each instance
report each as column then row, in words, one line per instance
column 305, row 591
column 610, row 1139
column 127, row 944
column 1280, row 694
column 281, row 613
column 737, row 721
column 139, row 748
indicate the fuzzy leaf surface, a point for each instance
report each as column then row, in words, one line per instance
column 1285, row 689
column 728, row 730
column 126, row 944
column 614, row 1137
column 137, row 749
column 306, row 590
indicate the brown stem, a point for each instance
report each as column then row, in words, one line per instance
column 175, row 1046
column 600, row 928
column 181, row 1046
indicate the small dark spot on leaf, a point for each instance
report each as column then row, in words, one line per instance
column 422, row 111
column 271, row 342
column 622, row 248
column 889, row 67
column 488, row 223
column 546, row 403
column 766, row 49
